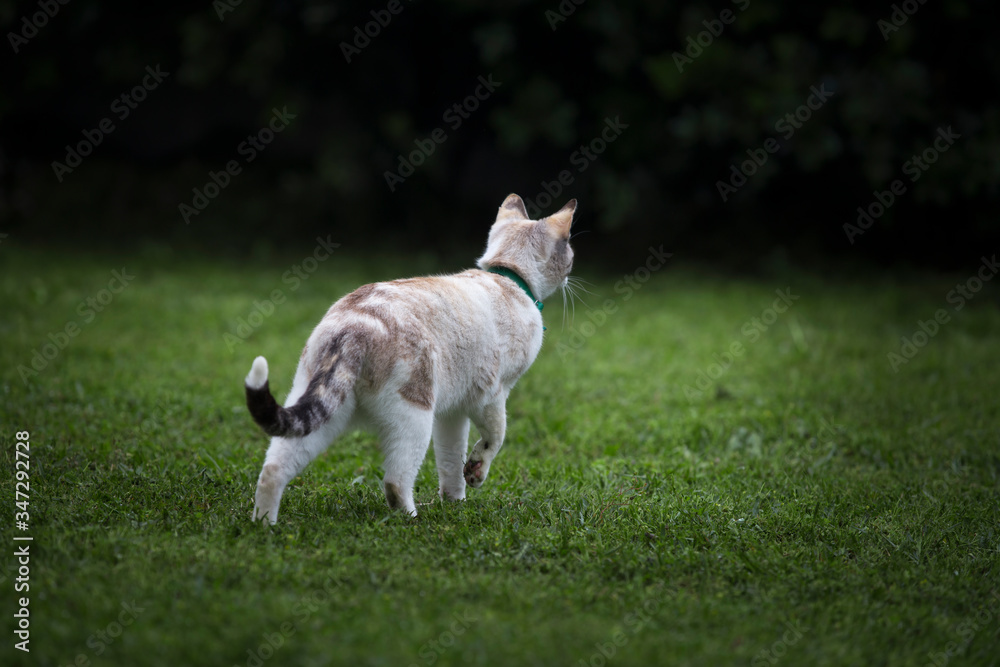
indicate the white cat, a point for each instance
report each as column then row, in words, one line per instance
column 416, row 359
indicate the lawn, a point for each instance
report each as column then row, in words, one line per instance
column 690, row 477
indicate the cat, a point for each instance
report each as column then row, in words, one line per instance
column 417, row 359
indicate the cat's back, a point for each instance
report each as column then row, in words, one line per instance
column 469, row 301
column 452, row 316
column 468, row 330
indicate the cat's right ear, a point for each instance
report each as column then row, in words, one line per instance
column 512, row 209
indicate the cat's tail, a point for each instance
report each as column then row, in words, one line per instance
column 325, row 393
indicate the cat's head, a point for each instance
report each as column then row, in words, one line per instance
column 537, row 250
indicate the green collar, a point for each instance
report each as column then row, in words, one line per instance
column 503, row 271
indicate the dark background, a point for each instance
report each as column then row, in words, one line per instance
column 559, row 82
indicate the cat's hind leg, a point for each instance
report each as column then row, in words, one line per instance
column 405, row 436
column 451, row 439
column 287, row 457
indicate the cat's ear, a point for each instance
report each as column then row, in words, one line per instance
column 512, row 208
column 561, row 221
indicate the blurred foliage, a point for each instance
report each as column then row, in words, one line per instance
column 563, row 70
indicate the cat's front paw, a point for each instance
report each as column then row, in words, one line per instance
column 474, row 473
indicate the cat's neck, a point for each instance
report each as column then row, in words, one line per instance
column 529, row 274
column 519, row 280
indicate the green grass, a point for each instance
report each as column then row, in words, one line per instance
column 809, row 487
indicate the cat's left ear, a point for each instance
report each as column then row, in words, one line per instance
column 512, row 208
column 561, row 221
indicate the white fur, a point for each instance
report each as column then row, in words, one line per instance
column 258, row 373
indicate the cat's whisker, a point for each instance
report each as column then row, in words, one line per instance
column 575, row 290
column 572, row 302
column 566, row 296
column 579, row 283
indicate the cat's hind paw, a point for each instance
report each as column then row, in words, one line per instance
column 262, row 516
column 267, row 498
column 452, row 495
column 266, row 517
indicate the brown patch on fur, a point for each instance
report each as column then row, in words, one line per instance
column 424, row 282
column 357, row 296
column 330, row 362
column 377, row 313
column 379, row 363
column 380, row 353
column 270, row 471
column 393, row 496
column 396, row 340
column 419, row 389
